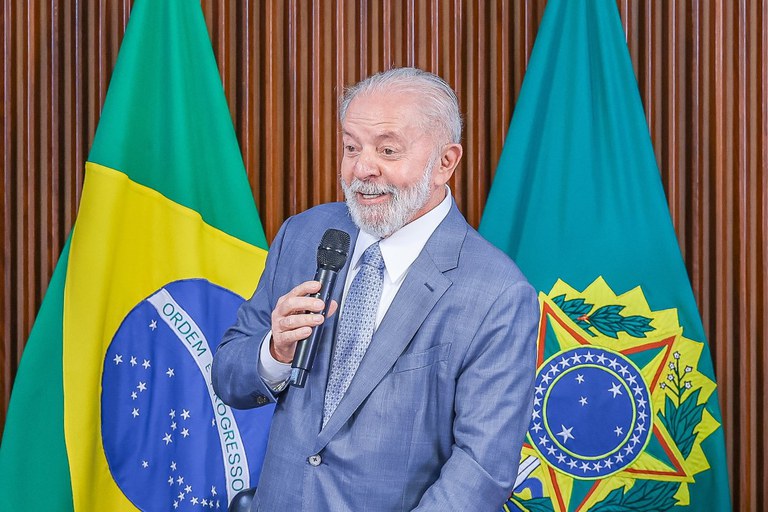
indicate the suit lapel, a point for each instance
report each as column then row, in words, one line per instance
column 422, row 288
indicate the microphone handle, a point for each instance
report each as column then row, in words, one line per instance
column 306, row 349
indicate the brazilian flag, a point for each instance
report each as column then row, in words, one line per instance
column 113, row 408
column 625, row 413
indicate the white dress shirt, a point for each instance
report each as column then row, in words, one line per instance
column 399, row 251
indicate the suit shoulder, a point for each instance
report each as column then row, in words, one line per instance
column 496, row 265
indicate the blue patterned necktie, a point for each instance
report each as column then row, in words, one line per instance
column 356, row 326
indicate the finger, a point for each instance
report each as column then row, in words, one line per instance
column 296, row 300
column 286, row 340
column 299, row 305
column 332, row 309
column 305, row 288
column 293, row 322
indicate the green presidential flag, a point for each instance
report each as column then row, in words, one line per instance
column 625, row 414
column 113, row 408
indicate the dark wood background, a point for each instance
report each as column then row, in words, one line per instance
column 702, row 69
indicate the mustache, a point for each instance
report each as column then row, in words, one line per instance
column 368, row 187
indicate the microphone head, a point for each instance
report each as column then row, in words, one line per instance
column 333, row 249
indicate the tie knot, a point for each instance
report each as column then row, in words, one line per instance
column 372, row 257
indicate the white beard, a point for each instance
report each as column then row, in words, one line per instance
column 384, row 219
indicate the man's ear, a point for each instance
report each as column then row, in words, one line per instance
column 449, row 160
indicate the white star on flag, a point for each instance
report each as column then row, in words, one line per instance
column 565, row 433
column 133, row 361
column 146, row 364
column 142, row 386
column 185, row 414
column 144, row 464
column 118, row 359
column 169, row 372
column 153, row 324
column 167, row 439
column 615, row 389
column 135, row 412
column 580, row 378
column 184, row 432
column 172, row 414
column 618, row 430
column 583, row 401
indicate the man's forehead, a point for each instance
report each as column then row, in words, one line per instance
column 390, row 114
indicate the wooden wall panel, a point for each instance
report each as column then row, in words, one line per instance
column 702, row 69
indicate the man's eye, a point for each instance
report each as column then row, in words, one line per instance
column 388, row 151
column 349, row 149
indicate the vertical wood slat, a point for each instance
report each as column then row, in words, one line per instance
column 57, row 60
column 702, row 73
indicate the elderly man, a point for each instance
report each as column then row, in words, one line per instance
column 421, row 391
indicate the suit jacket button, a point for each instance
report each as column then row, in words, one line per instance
column 315, row 460
column 261, row 400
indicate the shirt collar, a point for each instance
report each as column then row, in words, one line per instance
column 401, row 249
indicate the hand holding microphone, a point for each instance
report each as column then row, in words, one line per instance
column 298, row 316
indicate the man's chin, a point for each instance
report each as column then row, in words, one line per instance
column 373, row 222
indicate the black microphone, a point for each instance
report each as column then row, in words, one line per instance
column 331, row 257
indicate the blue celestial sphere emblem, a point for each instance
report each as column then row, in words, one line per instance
column 591, row 413
column 169, row 441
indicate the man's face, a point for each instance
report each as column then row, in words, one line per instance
column 391, row 168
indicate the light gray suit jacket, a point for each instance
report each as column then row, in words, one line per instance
column 435, row 416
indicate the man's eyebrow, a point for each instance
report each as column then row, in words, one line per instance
column 381, row 137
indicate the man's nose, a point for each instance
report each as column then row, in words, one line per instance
column 366, row 165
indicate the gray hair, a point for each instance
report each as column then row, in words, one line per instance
column 440, row 107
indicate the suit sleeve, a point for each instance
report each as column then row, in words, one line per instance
column 493, row 404
column 235, row 373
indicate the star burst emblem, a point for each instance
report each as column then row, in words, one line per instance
column 611, row 377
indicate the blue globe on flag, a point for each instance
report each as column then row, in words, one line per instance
column 170, row 443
